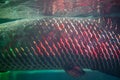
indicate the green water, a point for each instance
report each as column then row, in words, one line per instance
column 53, row 75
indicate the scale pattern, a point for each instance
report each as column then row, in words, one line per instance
column 56, row 42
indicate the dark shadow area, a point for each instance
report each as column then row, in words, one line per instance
column 4, row 20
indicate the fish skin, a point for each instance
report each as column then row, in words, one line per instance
column 52, row 43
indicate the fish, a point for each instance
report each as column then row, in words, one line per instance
column 68, row 43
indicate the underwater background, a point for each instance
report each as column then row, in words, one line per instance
column 53, row 75
column 12, row 10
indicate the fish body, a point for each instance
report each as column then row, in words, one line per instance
column 61, row 43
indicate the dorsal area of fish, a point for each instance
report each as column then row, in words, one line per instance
column 52, row 43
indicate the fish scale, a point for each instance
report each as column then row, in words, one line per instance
column 57, row 42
